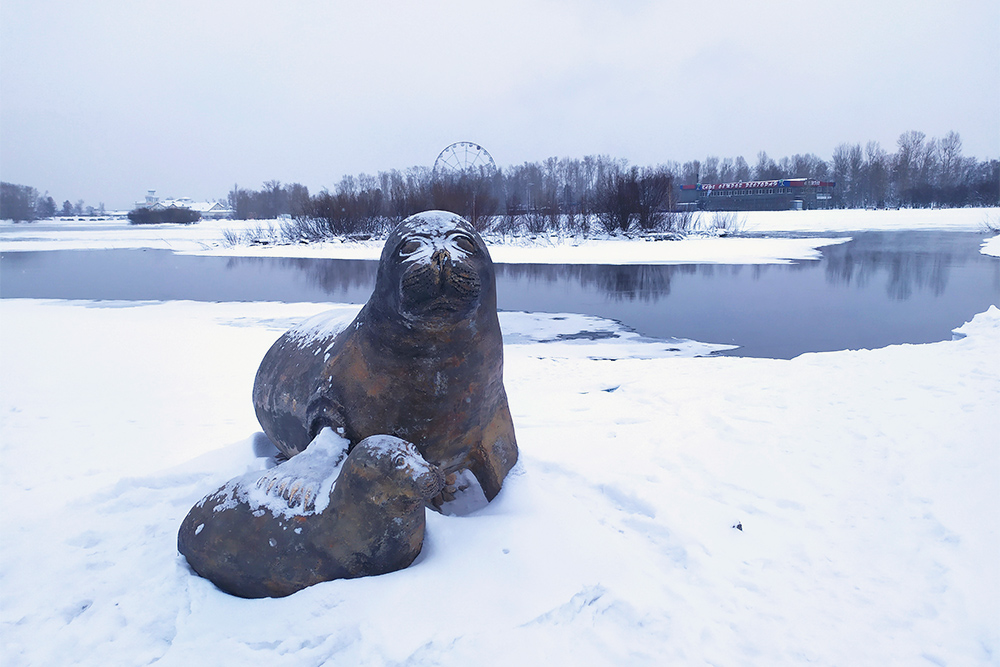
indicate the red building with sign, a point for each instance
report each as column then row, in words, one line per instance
column 775, row 195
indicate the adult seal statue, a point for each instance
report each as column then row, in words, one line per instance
column 422, row 361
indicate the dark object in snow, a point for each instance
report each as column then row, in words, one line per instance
column 148, row 216
column 423, row 360
column 588, row 335
column 739, row 526
column 272, row 533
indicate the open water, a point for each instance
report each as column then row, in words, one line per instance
column 882, row 288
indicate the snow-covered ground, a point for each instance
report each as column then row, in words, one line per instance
column 207, row 237
column 991, row 246
column 866, row 484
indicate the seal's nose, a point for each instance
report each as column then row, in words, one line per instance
column 441, row 261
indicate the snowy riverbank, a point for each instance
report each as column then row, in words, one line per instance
column 864, row 482
column 207, row 237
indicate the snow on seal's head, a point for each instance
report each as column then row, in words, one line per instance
column 435, row 270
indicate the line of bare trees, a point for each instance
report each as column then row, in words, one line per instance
column 569, row 194
column 23, row 203
column 578, row 195
column 923, row 172
column 597, row 191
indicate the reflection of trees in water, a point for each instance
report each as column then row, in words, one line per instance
column 333, row 276
column 629, row 282
column 914, row 262
column 652, row 283
column 620, row 283
column 756, row 271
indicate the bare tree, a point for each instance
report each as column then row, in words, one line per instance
column 727, row 171
column 741, row 170
column 653, row 198
column 46, row 207
column 848, row 163
column 691, row 172
column 806, row 166
column 710, row 170
column 951, row 162
column 876, row 176
column 17, row 202
column 297, row 199
column 617, row 198
column 906, row 164
column 766, row 168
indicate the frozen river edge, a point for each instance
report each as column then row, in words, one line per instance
column 207, row 238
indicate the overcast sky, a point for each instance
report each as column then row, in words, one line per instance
column 102, row 100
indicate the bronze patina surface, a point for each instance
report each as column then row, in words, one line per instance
column 270, row 534
column 422, row 361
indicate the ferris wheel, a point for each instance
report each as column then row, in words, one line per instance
column 464, row 156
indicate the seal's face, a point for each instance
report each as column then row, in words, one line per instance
column 394, row 462
column 439, row 268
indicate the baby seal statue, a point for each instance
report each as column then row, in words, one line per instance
column 422, row 361
column 324, row 515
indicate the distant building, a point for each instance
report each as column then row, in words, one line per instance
column 208, row 209
column 776, row 195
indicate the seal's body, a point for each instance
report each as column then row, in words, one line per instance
column 271, row 534
column 422, row 361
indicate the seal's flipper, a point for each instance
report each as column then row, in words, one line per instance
column 301, row 480
column 496, row 454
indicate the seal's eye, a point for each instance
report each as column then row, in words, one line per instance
column 409, row 248
column 399, row 461
column 465, row 243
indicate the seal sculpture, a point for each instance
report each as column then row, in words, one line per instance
column 423, row 360
column 324, row 515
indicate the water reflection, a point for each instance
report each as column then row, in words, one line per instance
column 619, row 283
column 645, row 283
column 333, row 276
column 908, row 269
